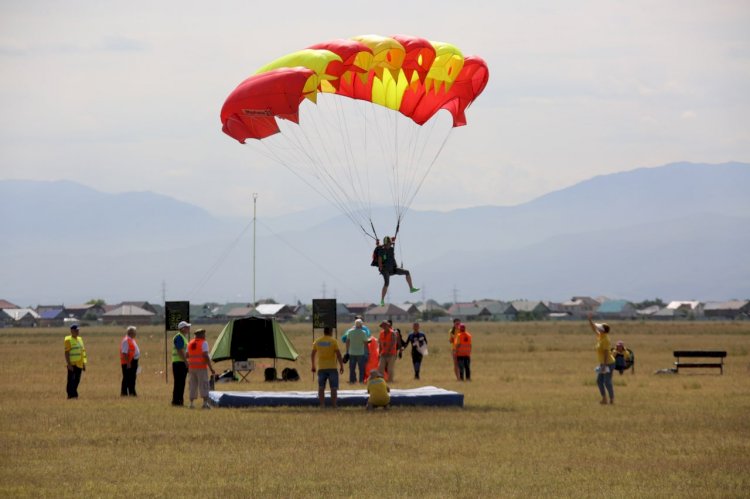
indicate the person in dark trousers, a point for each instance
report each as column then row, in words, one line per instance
column 463, row 353
column 418, row 342
column 130, row 354
column 180, row 363
column 75, row 359
column 386, row 260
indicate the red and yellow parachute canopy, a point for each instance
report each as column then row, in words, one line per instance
column 411, row 75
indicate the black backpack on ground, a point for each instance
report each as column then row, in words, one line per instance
column 270, row 374
column 289, row 374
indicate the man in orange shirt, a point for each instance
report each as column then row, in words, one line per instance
column 389, row 344
column 463, row 352
column 130, row 354
column 199, row 362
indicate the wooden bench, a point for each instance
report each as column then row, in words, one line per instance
column 699, row 354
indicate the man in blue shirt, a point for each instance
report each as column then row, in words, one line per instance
column 356, row 339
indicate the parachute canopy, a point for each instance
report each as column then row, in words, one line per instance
column 358, row 119
column 411, row 75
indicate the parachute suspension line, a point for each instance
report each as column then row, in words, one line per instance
column 327, row 177
column 347, row 198
column 429, row 168
column 219, row 261
column 378, row 121
column 307, row 257
column 415, row 170
column 272, row 154
column 387, row 120
column 359, row 190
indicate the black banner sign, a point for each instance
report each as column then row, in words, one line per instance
column 174, row 312
column 324, row 313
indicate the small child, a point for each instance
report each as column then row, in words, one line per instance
column 378, row 390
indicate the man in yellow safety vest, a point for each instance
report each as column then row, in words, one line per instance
column 75, row 358
column 180, row 363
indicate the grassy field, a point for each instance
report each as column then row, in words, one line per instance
column 532, row 425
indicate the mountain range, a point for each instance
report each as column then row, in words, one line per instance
column 677, row 231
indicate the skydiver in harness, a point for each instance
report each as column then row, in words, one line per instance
column 386, row 261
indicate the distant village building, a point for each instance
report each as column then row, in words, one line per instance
column 579, row 306
column 376, row 315
column 144, row 305
column 87, row 311
column 277, row 311
column 51, row 317
column 467, row 312
column 648, row 311
column 412, row 311
column 431, row 310
column 6, row 304
column 616, row 309
column 359, row 308
column 687, row 309
column 733, row 309
column 239, row 312
column 535, row 309
column 499, row 310
column 126, row 315
column 19, row 317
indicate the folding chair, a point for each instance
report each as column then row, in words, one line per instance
column 244, row 368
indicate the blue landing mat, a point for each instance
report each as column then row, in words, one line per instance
column 426, row 395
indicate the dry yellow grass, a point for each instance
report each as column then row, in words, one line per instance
column 532, row 425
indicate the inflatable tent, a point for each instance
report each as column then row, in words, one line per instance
column 252, row 338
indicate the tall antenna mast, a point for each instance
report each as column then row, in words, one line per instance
column 255, row 203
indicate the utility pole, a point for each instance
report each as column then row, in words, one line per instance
column 455, row 295
column 255, row 203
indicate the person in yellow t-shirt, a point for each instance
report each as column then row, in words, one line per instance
column 75, row 359
column 605, row 359
column 326, row 349
column 378, row 390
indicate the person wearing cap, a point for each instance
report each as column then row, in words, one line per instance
column 326, row 351
column 463, row 353
column 605, row 360
column 75, row 360
column 453, row 333
column 180, row 362
column 378, row 391
column 389, row 345
column 129, row 357
column 199, row 363
column 356, row 349
column 386, row 259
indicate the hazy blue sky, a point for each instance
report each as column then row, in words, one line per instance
column 125, row 96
